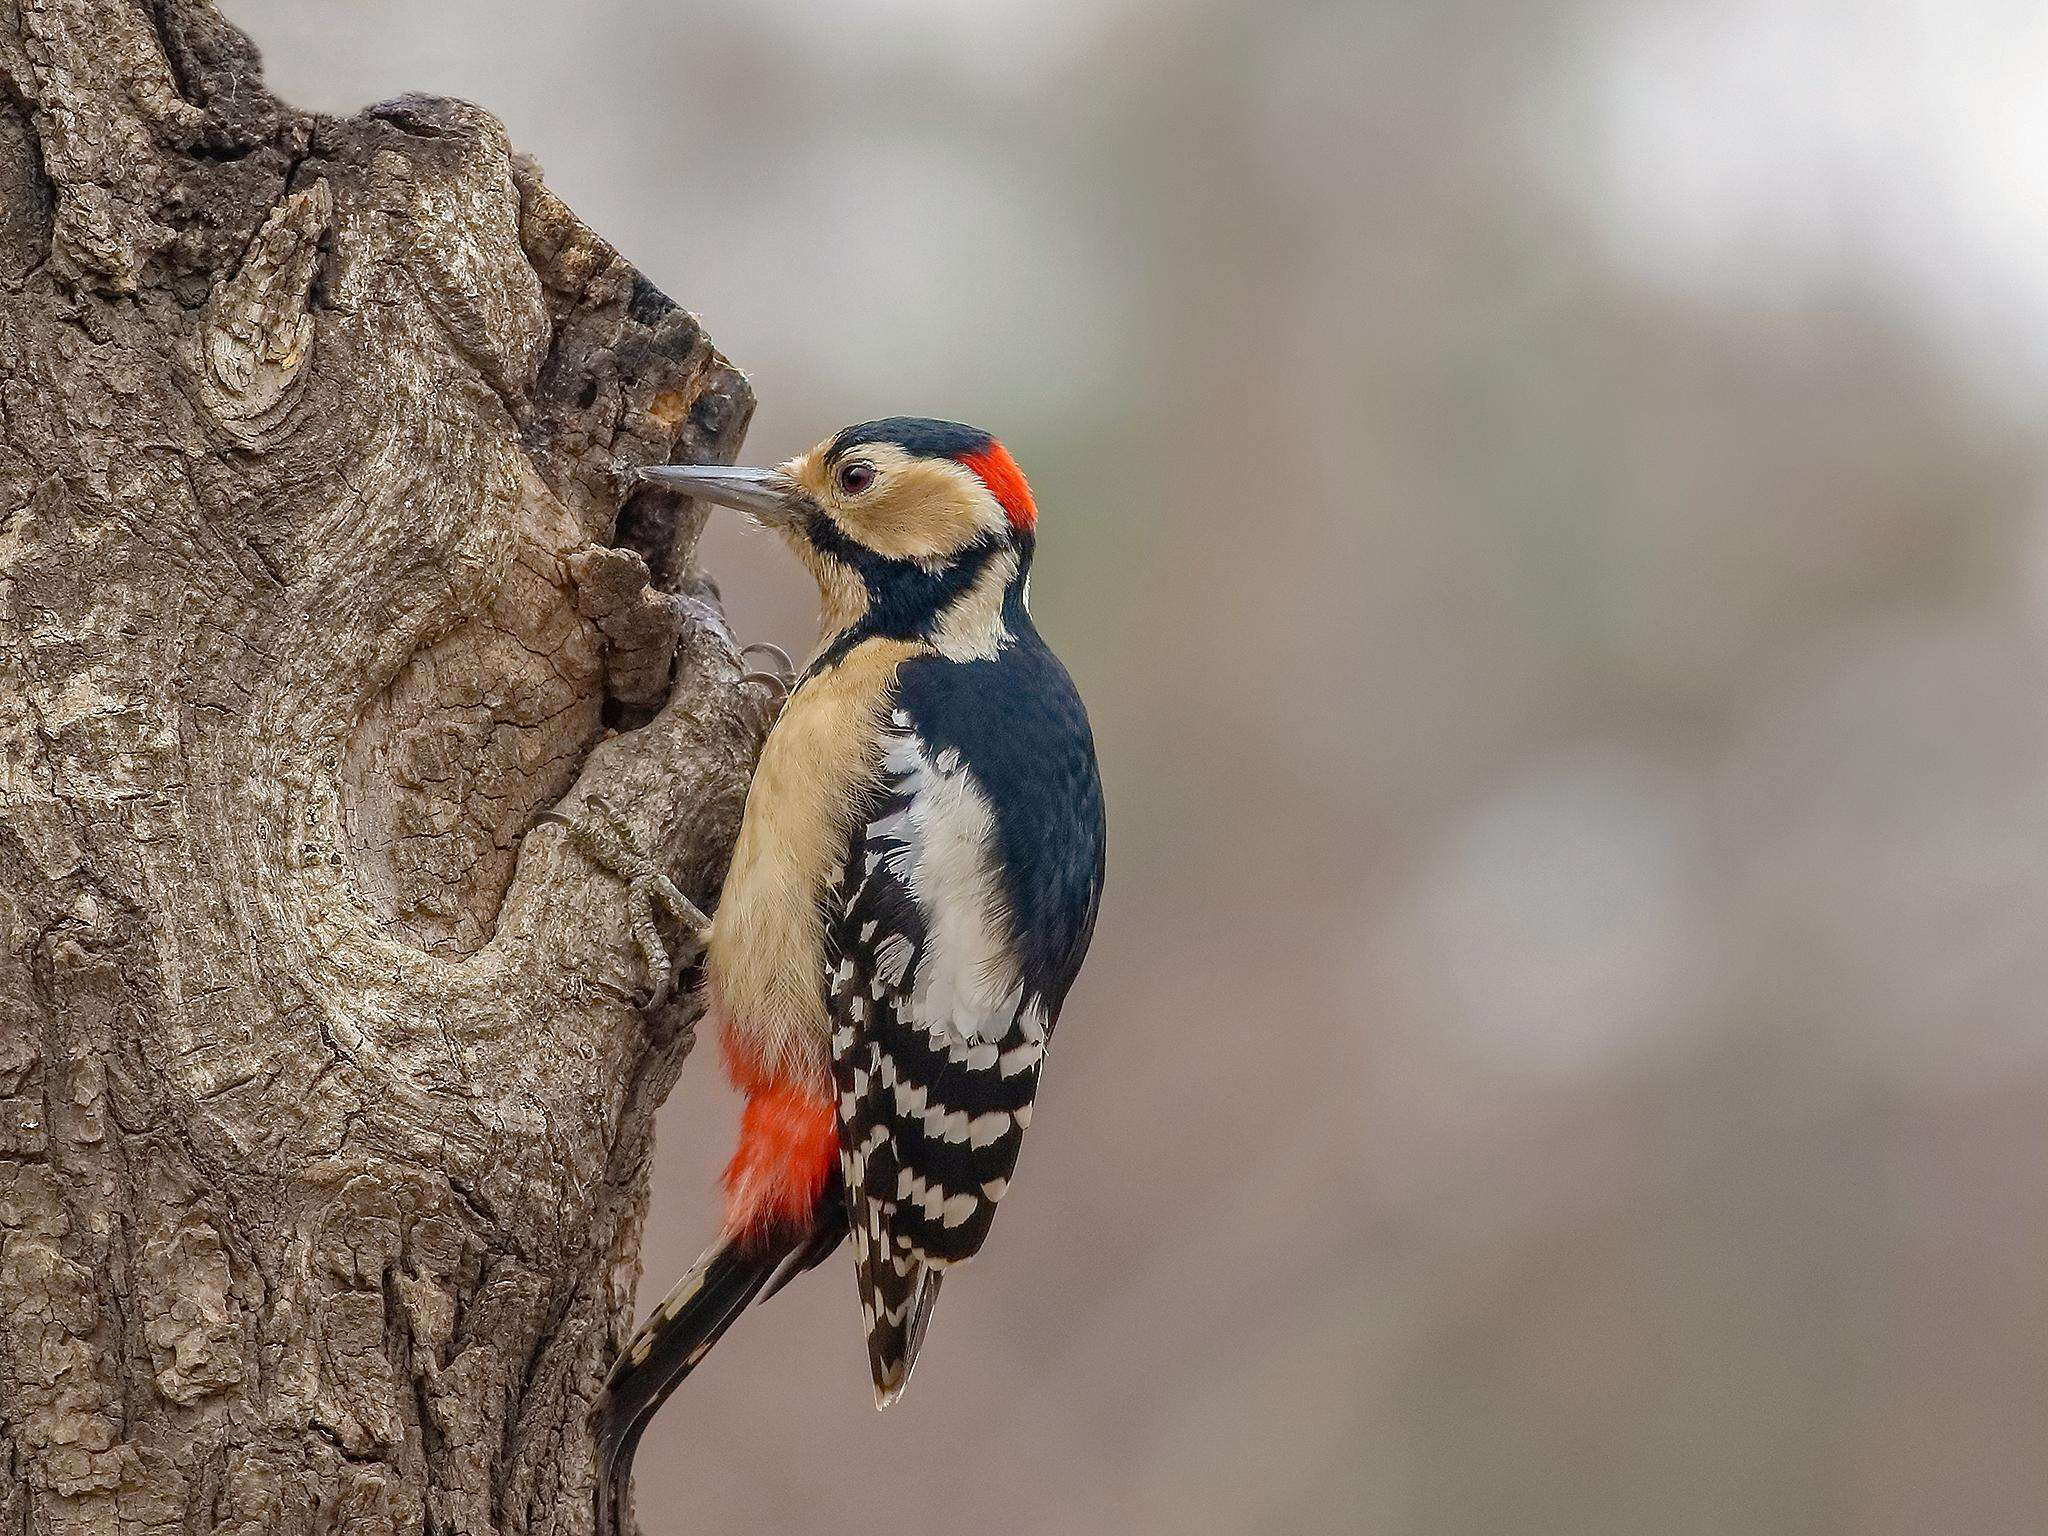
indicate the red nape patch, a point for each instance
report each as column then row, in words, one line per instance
column 999, row 472
column 789, row 1144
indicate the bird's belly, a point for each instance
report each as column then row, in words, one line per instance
column 766, row 964
column 762, row 972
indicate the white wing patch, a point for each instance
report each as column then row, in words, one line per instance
column 966, row 989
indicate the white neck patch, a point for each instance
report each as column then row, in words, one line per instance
column 971, row 627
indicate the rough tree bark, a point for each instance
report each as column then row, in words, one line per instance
column 324, row 1105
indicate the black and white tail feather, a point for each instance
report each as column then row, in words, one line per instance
column 729, row 1277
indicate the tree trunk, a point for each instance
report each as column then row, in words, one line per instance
column 324, row 1101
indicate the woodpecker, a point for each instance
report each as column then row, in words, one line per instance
column 912, row 893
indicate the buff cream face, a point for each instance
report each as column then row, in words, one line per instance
column 899, row 506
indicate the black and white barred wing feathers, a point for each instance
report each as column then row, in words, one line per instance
column 937, row 1040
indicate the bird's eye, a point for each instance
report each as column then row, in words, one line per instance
column 855, row 476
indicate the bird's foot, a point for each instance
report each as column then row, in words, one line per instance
column 774, row 681
column 602, row 835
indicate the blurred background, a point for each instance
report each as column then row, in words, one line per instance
column 1546, row 505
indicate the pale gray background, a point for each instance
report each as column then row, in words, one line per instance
column 1546, row 505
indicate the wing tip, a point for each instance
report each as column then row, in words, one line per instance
column 889, row 1392
column 893, row 1347
column 891, row 1360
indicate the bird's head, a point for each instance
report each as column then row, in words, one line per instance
column 913, row 528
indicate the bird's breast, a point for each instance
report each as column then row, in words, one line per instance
column 766, row 962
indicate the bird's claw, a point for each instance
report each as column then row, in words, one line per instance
column 776, row 682
column 785, row 669
column 603, row 836
column 660, row 892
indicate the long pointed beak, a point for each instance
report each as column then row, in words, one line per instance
column 767, row 494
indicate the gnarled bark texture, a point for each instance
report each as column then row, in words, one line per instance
column 324, row 1105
